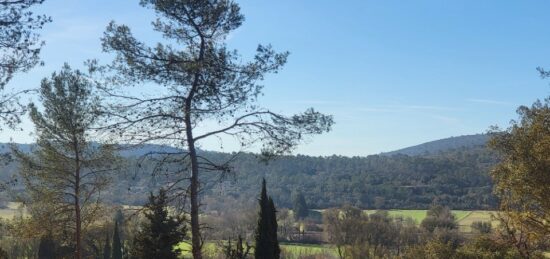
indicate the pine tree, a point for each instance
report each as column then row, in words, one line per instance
column 117, row 244
column 107, row 248
column 65, row 174
column 161, row 232
column 267, row 245
column 198, row 78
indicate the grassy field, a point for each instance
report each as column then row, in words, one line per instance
column 477, row 215
column 291, row 250
column 464, row 218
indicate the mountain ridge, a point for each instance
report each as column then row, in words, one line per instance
column 426, row 148
column 440, row 145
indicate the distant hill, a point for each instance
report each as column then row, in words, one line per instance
column 125, row 150
column 436, row 146
column 452, row 172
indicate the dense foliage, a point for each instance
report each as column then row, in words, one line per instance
column 522, row 179
column 455, row 178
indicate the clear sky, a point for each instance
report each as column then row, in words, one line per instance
column 393, row 73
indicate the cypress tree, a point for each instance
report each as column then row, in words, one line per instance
column 267, row 246
column 3, row 254
column 107, row 248
column 46, row 248
column 117, row 244
column 300, row 208
column 161, row 232
column 273, row 228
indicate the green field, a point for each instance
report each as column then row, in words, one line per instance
column 291, row 250
column 464, row 218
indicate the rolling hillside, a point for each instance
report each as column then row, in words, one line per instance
column 452, row 172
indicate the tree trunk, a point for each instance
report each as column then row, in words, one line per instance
column 78, row 234
column 78, row 220
column 196, row 240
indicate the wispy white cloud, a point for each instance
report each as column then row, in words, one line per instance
column 446, row 119
column 376, row 109
column 407, row 108
column 317, row 102
column 427, row 107
column 488, row 101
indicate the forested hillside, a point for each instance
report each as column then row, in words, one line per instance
column 454, row 177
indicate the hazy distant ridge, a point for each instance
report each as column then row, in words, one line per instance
column 437, row 146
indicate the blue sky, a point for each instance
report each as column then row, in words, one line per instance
column 393, row 73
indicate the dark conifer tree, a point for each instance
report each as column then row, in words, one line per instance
column 107, row 248
column 46, row 248
column 267, row 246
column 300, row 206
column 117, row 244
column 3, row 254
column 273, row 228
column 161, row 232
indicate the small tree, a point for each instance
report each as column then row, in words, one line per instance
column 267, row 245
column 161, row 232
column 239, row 251
column 439, row 217
column 481, row 227
column 343, row 228
column 65, row 175
column 300, row 208
column 117, row 244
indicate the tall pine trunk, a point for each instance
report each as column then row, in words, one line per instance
column 78, row 218
column 196, row 240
